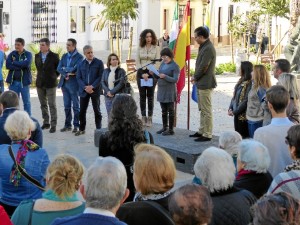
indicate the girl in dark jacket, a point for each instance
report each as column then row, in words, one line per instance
column 113, row 80
column 238, row 104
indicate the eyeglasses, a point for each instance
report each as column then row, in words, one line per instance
column 165, row 57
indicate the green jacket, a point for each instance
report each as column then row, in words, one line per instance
column 204, row 76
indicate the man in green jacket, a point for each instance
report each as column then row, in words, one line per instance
column 205, row 80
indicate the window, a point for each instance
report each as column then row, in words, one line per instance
column 81, row 19
column 73, row 20
column 44, row 20
column 77, row 19
column 124, row 29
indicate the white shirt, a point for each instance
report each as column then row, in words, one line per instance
column 102, row 212
column 111, row 77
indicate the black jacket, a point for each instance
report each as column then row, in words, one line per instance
column 46, row 72
column 232, row 207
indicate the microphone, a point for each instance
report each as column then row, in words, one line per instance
column 156, row 60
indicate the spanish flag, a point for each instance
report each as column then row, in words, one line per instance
column 182, row 49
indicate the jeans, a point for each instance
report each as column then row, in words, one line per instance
column 205, row 108
column 47, row 96
column 70, row 96
column 84, row 103
column 253, row 125
column 167, row 111
column 17, row 87
column 108, row 105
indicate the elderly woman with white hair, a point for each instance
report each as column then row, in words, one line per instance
column 252, row 164
column 33, row 159
column 216, row 170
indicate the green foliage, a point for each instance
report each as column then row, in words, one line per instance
column 114, row 11
column 225, row 67
column 278, row 8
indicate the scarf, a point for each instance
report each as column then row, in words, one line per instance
column 294, row 166
column 51, row 195
column 140, row 197
column 111, row 77
column 25, row 146
column 243, row 172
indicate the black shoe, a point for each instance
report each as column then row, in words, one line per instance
column 65, row 129
column 168, row 132
column 80, row 132
column 75, row 130
column 195, row 135
column 45, row 126
column 52, row 130
column 202, row 139
column 161, row 130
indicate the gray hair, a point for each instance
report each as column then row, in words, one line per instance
column 105, row 183
column 18, row 124
column 216, row 169
column 254, row 155
column 229, row 140
column 87, row 47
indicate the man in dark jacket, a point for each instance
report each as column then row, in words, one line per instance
column 46, row 63
column 19, row 77
column 9, row 102
column 67, row 68
column 89, row 73
column 205, row 80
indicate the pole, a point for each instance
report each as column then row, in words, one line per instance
column 189, row 84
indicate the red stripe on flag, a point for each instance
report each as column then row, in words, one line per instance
column 180, row 84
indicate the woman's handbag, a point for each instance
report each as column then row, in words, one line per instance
column 23, row 172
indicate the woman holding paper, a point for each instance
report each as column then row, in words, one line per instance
column 146, row 80
column 166, row 93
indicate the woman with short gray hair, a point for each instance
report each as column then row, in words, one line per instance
column 252, row 165
column 216, row 170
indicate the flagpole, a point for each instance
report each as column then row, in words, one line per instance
column 189, row 86
column 175, row 117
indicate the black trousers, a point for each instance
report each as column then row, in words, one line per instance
column 146, row 93
column 241, row 126
column 168, row 113
column 84, row 103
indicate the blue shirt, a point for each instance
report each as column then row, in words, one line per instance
column 36, row 163
column 281, row 121
column 1, row 64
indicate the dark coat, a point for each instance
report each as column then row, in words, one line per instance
column 142, row 213
column 118, row 86
column 256, row 183
column 204, row 76
column 46, row 72
column 36, row 135
column 232, row 207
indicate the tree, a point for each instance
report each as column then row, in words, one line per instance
column 113, row 13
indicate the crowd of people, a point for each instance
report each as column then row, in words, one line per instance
column 251, row 177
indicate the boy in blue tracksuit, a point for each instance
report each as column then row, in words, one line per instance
column 67, row 67
column 19, row 77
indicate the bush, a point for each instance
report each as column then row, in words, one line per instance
column 225, row 67
column 218, row 70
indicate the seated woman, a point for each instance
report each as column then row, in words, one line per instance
column 191, row 202
column 289, row 180
column 125, row 130
column 228, row 141
column 60, row 199
column 216, row 170
column 14, row 187
column 252, row 164
column 154, row 174
column 275, row 209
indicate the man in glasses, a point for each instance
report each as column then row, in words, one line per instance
column 273, row 135
column 67, row 68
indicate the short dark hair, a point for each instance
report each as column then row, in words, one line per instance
column 167, row 52
column 293, row 138
column 9, row 99
column 191, row 204
column 279, row 208
column 46, row 40
column 202, row 31
column 20, row 40
column 109, row 59
column 74, row 42
column 278, row 97
column 284, row 65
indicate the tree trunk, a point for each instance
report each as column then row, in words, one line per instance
column 111, row 42
column 130, row 43
column 118, row 43
column 231, row 43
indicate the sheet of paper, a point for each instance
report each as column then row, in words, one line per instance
column 152, row 68
column 147, row 83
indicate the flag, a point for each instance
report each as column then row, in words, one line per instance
column 174, row 29
column 182, row 49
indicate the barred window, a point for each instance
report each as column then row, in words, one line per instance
column 44, row 20
column 124, row 29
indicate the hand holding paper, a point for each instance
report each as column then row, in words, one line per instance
column 152, row 68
